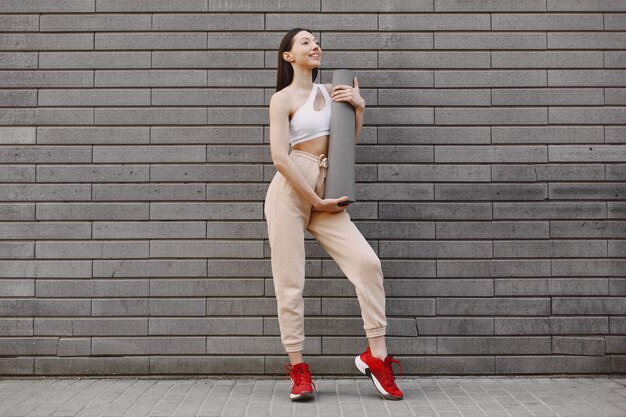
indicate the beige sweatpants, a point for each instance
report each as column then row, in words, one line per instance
column 288, row 215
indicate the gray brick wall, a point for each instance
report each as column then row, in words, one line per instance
column 134, row 160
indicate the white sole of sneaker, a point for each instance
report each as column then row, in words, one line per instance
column 365, row 370
column 303, row 396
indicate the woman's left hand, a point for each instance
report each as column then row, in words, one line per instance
column 352, row 95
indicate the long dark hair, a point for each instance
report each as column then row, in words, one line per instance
column 284, row 76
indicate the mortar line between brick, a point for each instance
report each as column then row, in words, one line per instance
column 156, row 403
column 189, row 389
column 603, row 95
column 358, row 393
column 249, row 397
column 451, row 401
column 264, row 362
column 339, row 397
column 86, row 405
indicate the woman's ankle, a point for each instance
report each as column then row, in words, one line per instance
column 295, row 357
column 378, row 347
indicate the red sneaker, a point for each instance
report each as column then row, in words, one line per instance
column 381, row 373
column 302, row 388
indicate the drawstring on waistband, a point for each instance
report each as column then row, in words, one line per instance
column 322, row 161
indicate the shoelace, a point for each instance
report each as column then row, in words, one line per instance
column 298, row 372
column 389, row 371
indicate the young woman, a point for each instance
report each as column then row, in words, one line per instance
column 300, row 117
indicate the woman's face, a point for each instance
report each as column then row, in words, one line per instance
column 305, row 50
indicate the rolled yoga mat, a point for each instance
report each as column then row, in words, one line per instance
column 340, row 173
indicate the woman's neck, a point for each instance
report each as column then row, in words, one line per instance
column 302, row 80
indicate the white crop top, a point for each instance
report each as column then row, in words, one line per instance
column 308, row 123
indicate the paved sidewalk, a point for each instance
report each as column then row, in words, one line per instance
column 354, row 397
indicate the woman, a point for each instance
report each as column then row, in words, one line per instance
column 300, row 118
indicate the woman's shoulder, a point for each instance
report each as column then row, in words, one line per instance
column 281, row 97
column 281, row 104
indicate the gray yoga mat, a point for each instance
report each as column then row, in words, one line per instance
column 340, row 172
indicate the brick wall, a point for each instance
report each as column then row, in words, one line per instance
column 135, row 158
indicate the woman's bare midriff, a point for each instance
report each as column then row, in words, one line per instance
column 315, row 146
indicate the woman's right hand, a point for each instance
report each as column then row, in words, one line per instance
column 331, row 204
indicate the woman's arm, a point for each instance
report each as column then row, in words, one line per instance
column 359, row 122
column 279, row 145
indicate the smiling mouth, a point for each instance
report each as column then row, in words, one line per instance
column 314, row 56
